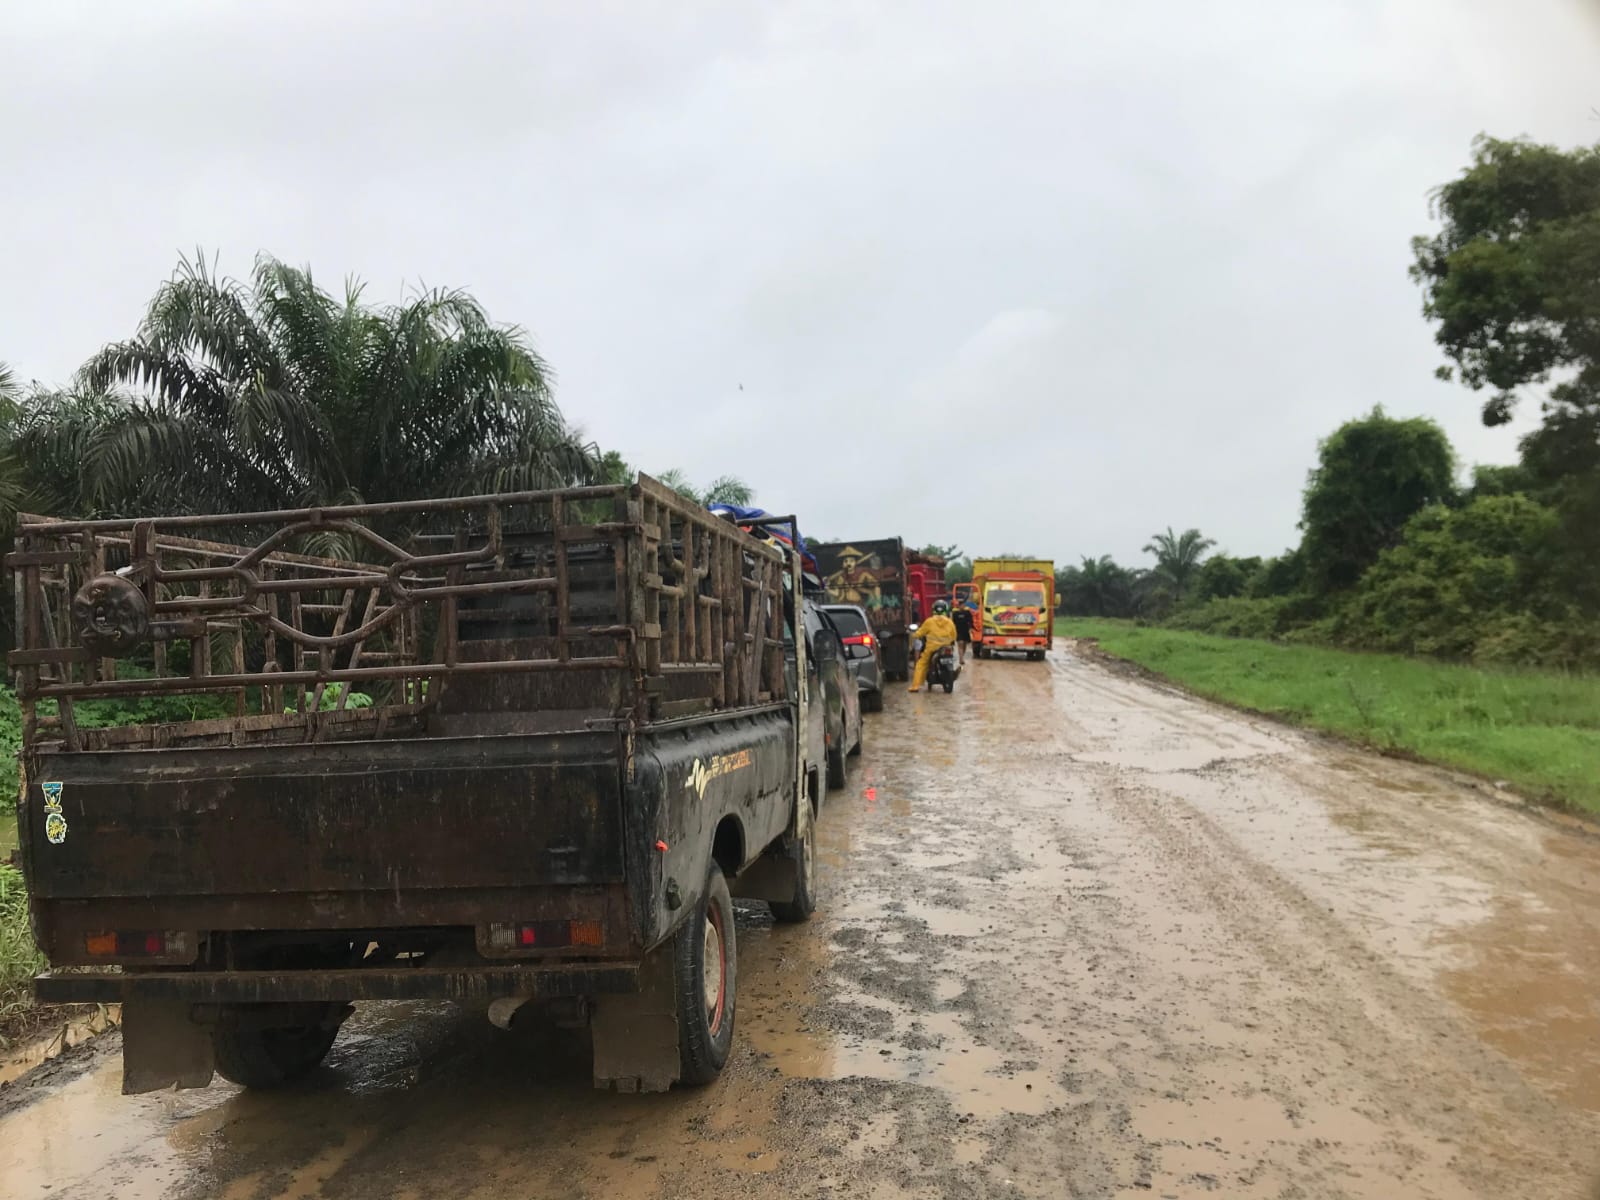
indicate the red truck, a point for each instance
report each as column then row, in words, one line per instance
column 924, row 583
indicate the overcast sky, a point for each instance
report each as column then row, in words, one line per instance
column 1042, row 277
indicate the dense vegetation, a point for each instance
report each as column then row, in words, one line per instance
column 1398, row 553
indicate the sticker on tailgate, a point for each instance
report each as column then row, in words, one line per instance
column 55, row 821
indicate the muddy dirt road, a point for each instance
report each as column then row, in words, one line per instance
column 1095, row 940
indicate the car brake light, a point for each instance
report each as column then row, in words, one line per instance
column 858, row 639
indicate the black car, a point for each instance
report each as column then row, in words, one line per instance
column 837, row 678
column 861, row 644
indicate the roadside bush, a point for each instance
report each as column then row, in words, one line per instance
column 1466, row 583
column 1233, row 616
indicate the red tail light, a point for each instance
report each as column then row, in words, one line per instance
column 139, row 943
column 545, row 935
column 858, row 639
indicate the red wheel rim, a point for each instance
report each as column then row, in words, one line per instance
column 715, row 943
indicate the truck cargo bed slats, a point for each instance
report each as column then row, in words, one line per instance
column 644, row 602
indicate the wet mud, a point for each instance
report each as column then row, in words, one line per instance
column 1082, row 937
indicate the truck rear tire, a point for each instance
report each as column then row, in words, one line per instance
column 270, row 1058
column 705, row 962
column 803, row 851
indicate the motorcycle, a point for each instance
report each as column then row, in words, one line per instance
column 943, row 669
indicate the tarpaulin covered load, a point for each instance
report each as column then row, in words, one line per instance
column 760, row 523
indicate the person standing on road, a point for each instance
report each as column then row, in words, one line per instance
column 962, row 619
column 937, row 632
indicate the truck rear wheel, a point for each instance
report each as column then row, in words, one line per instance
column 255, row 1057
column 705, row 960
column 803, row 851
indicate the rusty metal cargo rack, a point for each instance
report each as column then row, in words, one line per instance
column 621, row 602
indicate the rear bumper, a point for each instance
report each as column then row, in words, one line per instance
column 411, row 983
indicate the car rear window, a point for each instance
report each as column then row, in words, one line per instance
column 849, row 621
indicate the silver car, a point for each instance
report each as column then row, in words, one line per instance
column 861, row 644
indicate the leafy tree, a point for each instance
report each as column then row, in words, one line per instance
column 1513, row 275
column 1280, row 576
column 948, row 553
column 276, row 394
column 958, row 570
column 1222, row 577
column 1372, row 475
column 1178, row 558
column 1492, row 480
column 1512, row 279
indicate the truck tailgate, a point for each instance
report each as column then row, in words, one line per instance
column 336, row 817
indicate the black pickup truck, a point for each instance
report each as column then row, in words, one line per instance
column 519, row 748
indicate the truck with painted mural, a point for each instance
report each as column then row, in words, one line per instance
column 872, row 573
column 1016, row 606
column 519, row 748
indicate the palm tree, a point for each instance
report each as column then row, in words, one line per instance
column 1178, row 558
column 11, row 482
column 727, row 489
column 276, row 394
column 1104, row 587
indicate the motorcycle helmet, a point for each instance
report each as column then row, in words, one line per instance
column 941, row 606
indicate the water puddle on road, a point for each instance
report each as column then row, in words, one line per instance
column 1530, row 978
column 61, row 1037
column 87, row 1129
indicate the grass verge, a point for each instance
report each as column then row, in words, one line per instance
column 1537, row 730
column 20, row 960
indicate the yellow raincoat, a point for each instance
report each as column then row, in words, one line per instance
column 937, row 632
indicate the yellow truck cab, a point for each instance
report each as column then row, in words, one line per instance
column 1016, row 602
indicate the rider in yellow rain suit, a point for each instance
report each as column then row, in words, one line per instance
column 937, row 632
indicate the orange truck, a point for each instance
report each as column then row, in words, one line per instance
column 1016, row 604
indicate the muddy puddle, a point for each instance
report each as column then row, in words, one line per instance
column 74, row 1028
column 1080, row 938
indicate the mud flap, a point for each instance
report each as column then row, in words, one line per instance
column 163, row 1047
column 636, row 1034
column 770, row 877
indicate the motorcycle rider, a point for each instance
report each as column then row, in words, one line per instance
column 937, row 632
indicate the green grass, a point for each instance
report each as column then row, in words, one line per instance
column 1537, row 730
column 19, row 958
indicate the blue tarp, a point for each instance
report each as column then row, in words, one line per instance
column 782, row 531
